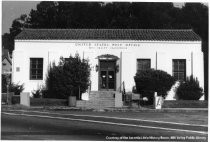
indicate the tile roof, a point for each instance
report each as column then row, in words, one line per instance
column 109, row 34
column 8, row 59
column 5, row 54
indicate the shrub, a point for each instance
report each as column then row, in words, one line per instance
column 70, row 77
column 36, row 93
column 189, row 89
column 40, row 92
column 16, row 88
column 150, row 81
column 44, row 93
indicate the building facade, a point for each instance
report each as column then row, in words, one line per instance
column 115, row 55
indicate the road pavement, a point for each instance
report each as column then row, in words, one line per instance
column 35, row 125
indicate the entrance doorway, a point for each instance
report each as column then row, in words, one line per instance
column 107, row 75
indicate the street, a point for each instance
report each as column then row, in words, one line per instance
column 36, row 125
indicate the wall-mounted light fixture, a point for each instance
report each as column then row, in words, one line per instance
column 97, row 68
column 117, row 68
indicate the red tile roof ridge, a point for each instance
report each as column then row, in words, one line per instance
column 112, row 34
column 108, row 29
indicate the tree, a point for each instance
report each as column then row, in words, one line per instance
column 196, row 15
column 70, row 77
column 153, row 15
column 45, row 16
column 8, row 42
column 17, row 26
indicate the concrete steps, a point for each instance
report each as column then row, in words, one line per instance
column 98, row 100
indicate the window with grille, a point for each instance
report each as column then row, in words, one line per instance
column 143, row 64
column 179, row 69
column 36, row 68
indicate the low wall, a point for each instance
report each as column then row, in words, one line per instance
column 13, row 99
column 16, row 99
column 48, row 102
column 185, row 104
column 4, row 97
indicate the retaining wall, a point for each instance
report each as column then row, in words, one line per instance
column 185, row 104
column 48, row 102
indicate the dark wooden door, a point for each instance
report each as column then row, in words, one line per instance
column 107, row 75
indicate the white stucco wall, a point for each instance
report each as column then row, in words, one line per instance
column 51, row 50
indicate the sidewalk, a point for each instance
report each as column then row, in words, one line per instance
column 121, row 109
column 129, row 109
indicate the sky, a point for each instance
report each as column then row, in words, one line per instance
column 13, row 9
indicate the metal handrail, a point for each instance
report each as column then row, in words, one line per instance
column 121, row 89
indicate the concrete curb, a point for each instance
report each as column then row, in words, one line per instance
column 161, row 110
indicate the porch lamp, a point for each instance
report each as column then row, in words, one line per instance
column 117, row 68
column 97, row 68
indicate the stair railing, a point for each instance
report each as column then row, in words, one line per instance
column 121, row 89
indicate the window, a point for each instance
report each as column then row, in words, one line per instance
column 179, row 69
column 36, row 68
column 143, row 64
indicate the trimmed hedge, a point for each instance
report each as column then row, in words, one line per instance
column 48, row 102
column 185, row 104
column 151, row 80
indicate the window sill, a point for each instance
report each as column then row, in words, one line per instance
column 36, row 80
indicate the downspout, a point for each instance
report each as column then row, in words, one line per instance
column 120, row 70
column 13, row 67
column 48, row 60
column 156, row 61
column 191, row 63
